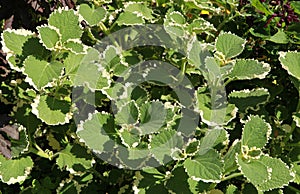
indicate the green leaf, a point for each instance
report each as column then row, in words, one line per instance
column 90, row 73
column 296, row 6
column 256, row 132
column 230, row 45
column 220, row 115
column 13, row 40
column 175, row 17
column 41, row 73
column 25, row 117
column 230, row 164
column 140, row 9
column 127, row 114
column 231, row 189
column 244, row 69
column 197, row 53
column 296, row 169
column 93, row 131
column 128, row 19
column 212, row 138
column 75, row 159
column 21, row 169
column 290, row 61
column 52, row 111
column 207, row 167
column 163, row 143
column 201, row 25
column 49, row 36
column 249, row 99
column 254, row 170
column 130, row 136
column 75, row 46
column 72, row 63
column 296, row 118
column 178, row 175
column 192, row 147
column 153, row 115
column 280, row 38
column 20, row 145
column 260, row 6
column 280, row 174
column 91, row 15
column 67, row 22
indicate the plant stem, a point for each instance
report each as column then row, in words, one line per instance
column 103, row 28
column 294, row 189
column 40, row 153
column 232, row 176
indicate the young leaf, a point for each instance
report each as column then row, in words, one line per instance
column 245, row 69
column 21, row 169
column 256, row 132
column 67, row 22
column 41, row 73
column 207, row 167
column 49, row 36
column 91, row 15
column 249, row 99
column 75, row 159
column 230, row 45
column 290, row 61
column 50, row 110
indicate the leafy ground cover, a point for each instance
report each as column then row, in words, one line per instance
column 192, row 96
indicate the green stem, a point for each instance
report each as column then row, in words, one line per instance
column 294, row 189
column 97, row 174
column 232, row 176
column 103, row 28
column 294, row 144
column 40, row 153
column 228, row 81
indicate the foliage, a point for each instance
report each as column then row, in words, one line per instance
column 215, row 108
